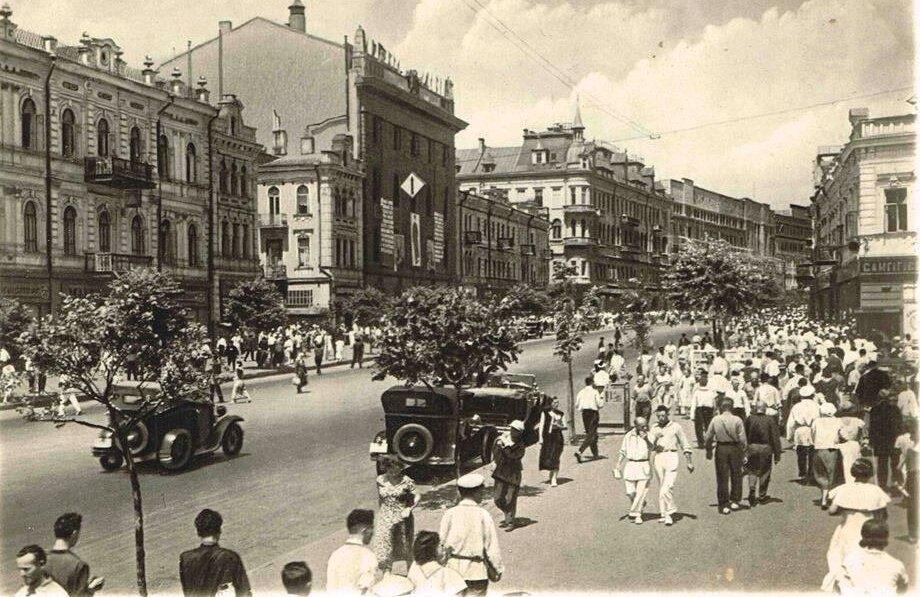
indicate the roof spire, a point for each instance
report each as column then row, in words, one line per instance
column 576, row 122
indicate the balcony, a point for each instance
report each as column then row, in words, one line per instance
column 581, row 208
column 629, row 220
column 275, row 272
column 276, row 221
column 505, row 243
column 529, row 250
column 472, row 237
column 102, row 263
column 579, row 241
column 118, row 173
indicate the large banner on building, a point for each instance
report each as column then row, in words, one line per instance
column 415, row 239
column 386, row 227
column 438, row 249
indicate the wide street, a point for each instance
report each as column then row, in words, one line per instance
column 304, row 466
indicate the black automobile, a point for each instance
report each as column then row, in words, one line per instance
column 172, row 433
column 439, row 426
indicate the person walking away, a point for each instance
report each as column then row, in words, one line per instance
column 725, row 435
column 297, row 578
column 634, row 467
column 826, row 430
column 300, row 371
column 870, row 385
column 232, row 356
column 319, row 346
column 800, row 434
column 910, row 464
column 589, row 402
column 214, row 378
column 551, row 425
column 827, row 385
column 427, row 574
column 469, row 538
column 764, row 450
column 668, row 439
column 31, row 561
column 63, row 565
column 329, row 348
column 340, row 344
column 617, row 363
column 210, row 568
column 851, row 430
column 352, row 568
column 357, row 351
column 68, row 396
column 617, row 335
column 856, row 502
column 262, row 350
column 508, row 453
column 601, row 378
column 869, row 570
column 240, row 393
column 394, row 524
column 766, row 392
column 884, row 428
column 702, row 403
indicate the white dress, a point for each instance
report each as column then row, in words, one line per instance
column 857, row 503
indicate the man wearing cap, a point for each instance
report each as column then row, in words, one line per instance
column 799, row 431
column 726, row 435
column 668, row 438
column 469, row 537
column 508, row 453
column 589, row 401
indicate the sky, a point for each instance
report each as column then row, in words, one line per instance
column 673, row 81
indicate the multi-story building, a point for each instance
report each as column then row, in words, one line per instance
column 501, row 244
column 865, row 236
column 402, row 124
column 104, row 168
column 792, row 241
column 310, row 234
column 606, row 216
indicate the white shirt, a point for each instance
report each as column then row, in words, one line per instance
column 468, row 530
column 46, row 587
column 907, row 404
column 352, row 567
column 772, row 368
column 616, row 363
column 434, row 579
column 588, row 399
column 719, row 366
column 601, row 378
column 871, row 572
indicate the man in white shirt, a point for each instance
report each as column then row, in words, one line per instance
column 30, row 560
column 352, row 567
column 766, row 392
column 601, row 378
column 907, row 402
column 617, row 362
column 719, row 365
column 799, row 429
column 468, row 535
column 589, row 401
column 702, row 406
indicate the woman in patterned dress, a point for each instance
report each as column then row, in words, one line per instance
column 394, row 523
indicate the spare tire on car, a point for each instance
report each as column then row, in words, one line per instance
column 413, row 442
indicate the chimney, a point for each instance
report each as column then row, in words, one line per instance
column 202, row 94
column 84, row 48
column 148, row 72
column 49, row 43
column 224, row 27
column 175, row 85
column 297, row 20
column 482, row 145
column 858, row 114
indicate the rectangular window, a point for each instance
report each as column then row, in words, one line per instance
column 445, row 153
column 896, row 209
column 397, row 138
column 303, row 251
column 538, row 197
column 376, row 129
column 300, row 298
column 414, row 145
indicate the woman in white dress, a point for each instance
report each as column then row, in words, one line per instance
column 826, row 432
column 686, row 389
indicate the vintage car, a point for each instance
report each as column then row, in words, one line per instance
column 172, row 433
column 439, row 426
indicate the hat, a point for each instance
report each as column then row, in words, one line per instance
column 662, row 409
column 470, row 481
column 807, row 391
column 392, row 585
column 827, row 409
column 518, row 425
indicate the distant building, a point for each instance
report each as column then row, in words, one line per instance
column 502, row 244
column 120, row 142
column 792, row 241
column 865, row 253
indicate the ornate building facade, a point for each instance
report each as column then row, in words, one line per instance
column 792, row 241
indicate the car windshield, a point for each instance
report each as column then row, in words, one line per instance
column 132, row 398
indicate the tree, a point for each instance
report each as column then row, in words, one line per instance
column 367, row 305
column 523, row 300
column 255, row 305
column 637, row 304
column 15, row 318
column 713, row 277
column 91, row 340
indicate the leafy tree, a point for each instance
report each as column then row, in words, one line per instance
column 91, row 340
column 255, row 305
column 523, row 300
column 367, row 306
column 637, row 304
column 15, row 318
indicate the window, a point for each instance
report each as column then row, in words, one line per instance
column 102, row 138
column 137, row 236
column 234, row 180
column 244, row 240
column 375, row 185
column 29, row 125
column 397, row 138
column 445, row 155
column 165, row 242
column 414, row 145
column 225, row 238
column 163, row 156
column 224, row 178
column 303, row 200
column 300, row 298
column 896, row 209
column 236, row 240
column 303, row 251
column 30, row 228
column 191, row 164
column 68, row 134
column 192, row 245
column 244, row 183
column 376, row 129
column 274, row 201
column 538, row 197
column 134, row 147
column 105, row 232
column 395, row 189
column 70, row 231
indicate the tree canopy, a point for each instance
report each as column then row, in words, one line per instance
column 15, row 318
column 255, row 305
column 368, row 305
column 523, row 300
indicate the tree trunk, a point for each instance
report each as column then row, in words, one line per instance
column 716, row 339
column 571, row 408
column 140, row 552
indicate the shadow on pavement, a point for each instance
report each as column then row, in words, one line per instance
column 446, row 496
column 520, row 522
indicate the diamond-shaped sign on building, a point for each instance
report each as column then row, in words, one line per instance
column 413, row 184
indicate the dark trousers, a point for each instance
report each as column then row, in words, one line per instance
column 261, row 355
column 357, row 356
column 215, row 390
column 912, row 487
column 318, row 360
column 804, row 455
column 506, row 496
column 729, row 474
column 701, row 419
column 590, row 418
column 883, row 462
column 476, row 587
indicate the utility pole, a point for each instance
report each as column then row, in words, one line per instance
column 161, row 155
column 49, row 245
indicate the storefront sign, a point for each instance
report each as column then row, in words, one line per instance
column 387, row 244
column 880, row 266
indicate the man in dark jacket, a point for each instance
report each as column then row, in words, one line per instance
column 66, row 567
column 884, row 428
column 764, row 449
column 871, row 382
column 210, row 568
column 508, row 453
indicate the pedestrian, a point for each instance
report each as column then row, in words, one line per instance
column 394, row 524
column 884, row 428
column 210, row 568
column 617, row 363
column 617, row 335
column 63, row 565
column 319, row 346
column 910, row 463
column 642, row 397
column 601, row 378
column 297, row 578
column 300, row 371
column 850, row 435
column 427, row 574
column 339, row 345
column 826, row 430
column 800, row 434
column 30, row 561
column 262, row 350
column 357, row 351
column 702, row 403
column 131, row 366
column 352, row 567
column 214, row 378
column 508, row 453
column 232, row 353
column 668, row 439
column 589, row 402
column 634, row 467
column 240, row 393
column 856, row 502
column 68, row 395
column 869, row 570
column 552, row 423
column 764, row 450
column 871, row 383
column 469, row 538
column 725, row 435
column 663, row 380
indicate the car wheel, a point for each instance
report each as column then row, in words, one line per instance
column 232, row 442
column 488, row 445
column 413, row 443
column 137, row 438
column 112, row 461
column 176, row 450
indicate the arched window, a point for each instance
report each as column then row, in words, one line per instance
column 303, row 200
column 234, row 181
column 135, row 144
column 192, row 245
column 572, row 229
column 165, row 242
column 105, row 232
column 225, row 238
column 244, row 188
column 30, row 228
column 163, row 156
column 70, row 230
column 137, row 236
column 102, row 138
column 274, row 201
column 235, row 247
column 29, row 125
column 191, row 163
column 244, row 239
column 224, row 178
column 68, row 135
